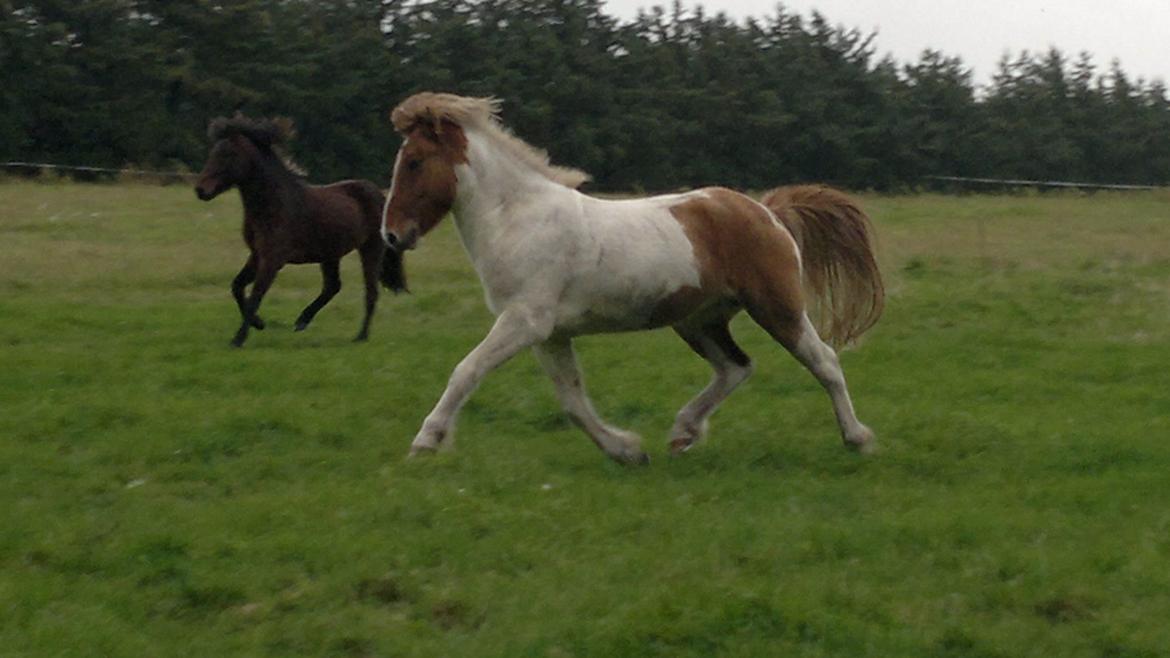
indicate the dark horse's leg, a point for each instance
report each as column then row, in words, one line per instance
column 247, row 275
column 371, row 253
column 330, row 286
column 265, row 274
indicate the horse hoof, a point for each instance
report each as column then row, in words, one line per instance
column 361, row 338
column 632, row 459
column 301, row 326
column 258, row 324
column 424, row 451
column 867, row 448
column 863, row 443
column 237, row 342
column 679, row 446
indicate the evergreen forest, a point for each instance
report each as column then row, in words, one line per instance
column 676, row 97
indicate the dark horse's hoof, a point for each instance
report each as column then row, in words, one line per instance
column 301, row 326
column 238, row 341
column 258, row 324
column 361, row 338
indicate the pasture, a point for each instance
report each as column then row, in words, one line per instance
column 162, row 494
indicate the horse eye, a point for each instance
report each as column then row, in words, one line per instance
column 413, row 165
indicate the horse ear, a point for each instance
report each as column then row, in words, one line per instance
column 451, row 136
column 285, row 129
column 216, row 128
column 428, row 126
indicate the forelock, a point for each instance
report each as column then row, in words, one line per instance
column 433, row 108
column 263, row 132
column 270, row 134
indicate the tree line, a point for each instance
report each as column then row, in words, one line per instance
column 675, row 97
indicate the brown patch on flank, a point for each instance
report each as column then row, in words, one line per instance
column 743, row 254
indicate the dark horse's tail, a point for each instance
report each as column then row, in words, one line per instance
column 835, row 238
column 393, row 274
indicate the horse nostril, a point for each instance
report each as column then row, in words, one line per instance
column 389, row 238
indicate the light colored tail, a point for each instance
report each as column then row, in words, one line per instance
column 841, row 276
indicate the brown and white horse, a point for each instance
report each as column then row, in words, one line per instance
column 556, row 264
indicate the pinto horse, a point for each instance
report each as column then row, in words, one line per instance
column 289, row 221
column 556, row 264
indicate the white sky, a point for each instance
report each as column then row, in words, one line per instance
column 1136, row 32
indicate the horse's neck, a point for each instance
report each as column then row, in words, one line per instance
column 271, row 194
column 496, row 198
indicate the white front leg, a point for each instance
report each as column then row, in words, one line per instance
column 514, row 330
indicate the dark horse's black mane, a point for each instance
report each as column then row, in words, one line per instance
column 267, row 134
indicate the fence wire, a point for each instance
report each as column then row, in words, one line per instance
column 95, row 170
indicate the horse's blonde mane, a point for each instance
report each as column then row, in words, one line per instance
column 482, row 114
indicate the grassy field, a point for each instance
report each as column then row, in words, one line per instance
column 162, row 494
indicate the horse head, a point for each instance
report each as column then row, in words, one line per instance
column 423, row 187
column 436, row 128
column 238, row 144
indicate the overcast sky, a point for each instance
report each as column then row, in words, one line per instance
column 1137, row 32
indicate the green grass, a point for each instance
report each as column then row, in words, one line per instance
column 164, row 495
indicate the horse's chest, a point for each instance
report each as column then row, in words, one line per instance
column 501, row 286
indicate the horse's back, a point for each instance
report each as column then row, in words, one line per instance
column 354, row 205
column 365, row 193
column 337, row 218
column 697, row 249
column 726, row 232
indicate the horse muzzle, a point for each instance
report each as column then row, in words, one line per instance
column 405, row 242
column 207, row 192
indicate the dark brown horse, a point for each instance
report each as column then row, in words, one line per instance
column 289, row 221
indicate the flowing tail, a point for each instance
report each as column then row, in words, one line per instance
column 393, row 275
column 393, row 272
column 841, row 275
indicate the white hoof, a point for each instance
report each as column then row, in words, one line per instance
column 623, row 447
column 429, row 440
column 631, row 458
column 683, row 437
column 862, row 441
column 416, row 451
